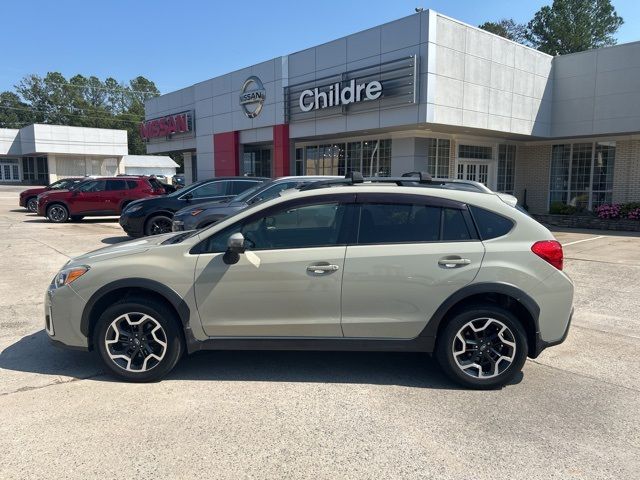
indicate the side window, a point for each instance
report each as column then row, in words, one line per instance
column 116, row 185
column 93, row 186
column 213, row 189
column 454, row 227
column 132, row 184
column 490, row 225
column 398, row 223
column 272, row 192
column 306, row 226
column 239, row 186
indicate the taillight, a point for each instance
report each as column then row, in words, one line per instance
column 550, row 251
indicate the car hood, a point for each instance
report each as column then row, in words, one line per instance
column 54, row 194
column 208, row 206
column 33, row 191
column 121, row 249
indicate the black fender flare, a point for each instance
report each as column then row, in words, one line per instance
column 431, row 329
column 153, row 286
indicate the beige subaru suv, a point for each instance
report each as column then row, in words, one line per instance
column 406, row 264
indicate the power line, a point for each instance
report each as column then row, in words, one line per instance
column 82, row 115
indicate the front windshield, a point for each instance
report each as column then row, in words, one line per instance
column 62, row 184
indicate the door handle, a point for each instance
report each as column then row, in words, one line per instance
column 322, row 268
column 453, row 262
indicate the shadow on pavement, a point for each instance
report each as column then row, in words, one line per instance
column 34, row 354
column 114, row 240
column 77, row 222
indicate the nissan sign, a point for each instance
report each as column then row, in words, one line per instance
column 337, row 95
column 166, row 126
column 252, row 96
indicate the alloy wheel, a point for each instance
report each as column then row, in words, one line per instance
column 160, row 225
column 57, row 213
column 32, row 205
column 484, row 348
column 136, row 342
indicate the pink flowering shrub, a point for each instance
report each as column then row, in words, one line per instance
column 634, row 214
column 608, row 210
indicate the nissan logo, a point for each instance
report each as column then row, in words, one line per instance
column 252, row 95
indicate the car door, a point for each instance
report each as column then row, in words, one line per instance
column 115, row 193
column 411, row 253
column 288, row 282
column 90, row 197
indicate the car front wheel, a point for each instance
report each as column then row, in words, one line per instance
column 138, row 340
column 158, row 224
column 58, row 213
column 482, row 347
column 32, row 205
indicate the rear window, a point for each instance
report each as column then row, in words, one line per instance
column 490, row 225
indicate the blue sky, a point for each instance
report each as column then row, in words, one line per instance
column 178, row 43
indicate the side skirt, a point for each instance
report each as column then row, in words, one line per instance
column 418, row 344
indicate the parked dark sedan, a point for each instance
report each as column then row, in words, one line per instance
column 154, row 216
column 205, row 214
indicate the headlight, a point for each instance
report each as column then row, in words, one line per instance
column 69, row 275
column 197, row 211
column 132, row 209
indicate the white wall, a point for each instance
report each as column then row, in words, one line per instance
column 597, row 92
column 480, row 80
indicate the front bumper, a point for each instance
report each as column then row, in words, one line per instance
column 133, row 226
column 177, row 225
column 23, row 202
column 62, row 313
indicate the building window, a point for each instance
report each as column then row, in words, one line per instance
column 438, row 150
column 256, row 161
column 28, row 168
column 370, row 157
column 475, row 152
column 582, row 174
column 506, row 168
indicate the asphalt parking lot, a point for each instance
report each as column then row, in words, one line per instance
column 572, row 414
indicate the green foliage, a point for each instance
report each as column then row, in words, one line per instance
column 79, row 101
column 569, row 26
column 627, row 208
column 507, row 28
column 559, row 208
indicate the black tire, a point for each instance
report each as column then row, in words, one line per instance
column 135, row 308
column 483, row 347
column 57, row 213
column 76, row 218
column 32, row 205
column 158, row 224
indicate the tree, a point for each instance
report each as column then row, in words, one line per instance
column 80, row 101
column 569, row 26
column 507, row 28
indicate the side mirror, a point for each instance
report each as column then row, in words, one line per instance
column 188, row 196
column 235, row 246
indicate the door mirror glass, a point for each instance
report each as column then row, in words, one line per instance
column 188, row 196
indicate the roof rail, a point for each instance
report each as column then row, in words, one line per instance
column 409, row 179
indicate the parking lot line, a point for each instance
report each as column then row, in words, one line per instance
column 583, row 240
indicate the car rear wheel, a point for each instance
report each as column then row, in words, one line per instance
column 32, row 205
column 58, row 213
column 482, row 347
column 158, row 224
column 138, row 340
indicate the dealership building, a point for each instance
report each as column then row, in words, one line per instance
column 422, row 93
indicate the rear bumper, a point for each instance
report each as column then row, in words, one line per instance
column 541, row 344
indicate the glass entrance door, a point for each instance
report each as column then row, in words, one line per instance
column 256, row 161
column 474, row 171
column 9, row 172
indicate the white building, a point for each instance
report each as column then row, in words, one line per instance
column 149, row 165
column 41, row 154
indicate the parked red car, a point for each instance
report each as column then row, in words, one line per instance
column 28, row 198
column 95, row 197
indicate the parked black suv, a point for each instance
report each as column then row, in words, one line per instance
column 199, row 216
column 154, row 215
